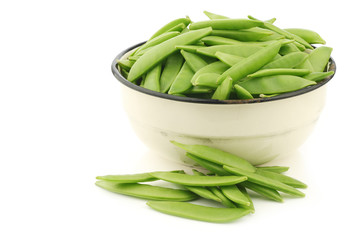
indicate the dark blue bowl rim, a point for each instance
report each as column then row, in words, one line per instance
column 123, row 80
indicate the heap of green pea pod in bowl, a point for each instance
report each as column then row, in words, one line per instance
column 225, row 58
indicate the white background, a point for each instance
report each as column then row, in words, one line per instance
column 62, row 124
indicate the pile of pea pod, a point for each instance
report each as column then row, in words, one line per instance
column 225, row 181
column 225, row 58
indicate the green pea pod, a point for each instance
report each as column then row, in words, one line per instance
column 319, row 58
column 252, row 63
column 275, row 84
column 180, row 27
column 182, row 82
column 161, row 51
column 207, row 80
column 155, row 41
column 199, row 90
column 146, row 191
column 193, row 180
column 189, row 48
column 263, row 191
column 226, row 24
column 203, row 192
column 243, row 190
column 125, row 64
column 265, row 181
column 242, row 93
column 241, row 35
column 318, row 76
column 288, row 61
column 308, row 35
column 229, row 59
column 223, row 91
column 215, row 67
column 279, row 71
column 152, row 79
column 282, row 178
column 186, row 21
column 193, row 60
column 198, row 212
column 238, row 50
column 277, row 169
column 216, row 155
column 214, row 16
column 224, row 200
column 212, row 167
column 217, row 40
column 233, row 193
column 272, row 37
column 288, row 48
column 128, row 178
column 172, row 67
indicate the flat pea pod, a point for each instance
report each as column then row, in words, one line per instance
column 226, row 24
column 182, row 82
column 318, row 76
column 161, row 51
column 216, row 155
column 265, row 181
column 207, row 80
column 242, row 93
column 224, row 200
column 215, row 67
column 155, row 41
column 319, row 58
column 263, row 191
column 217, row 40
column 288, row 61
column 223, row 91
column 279, row 71
column 172, row 67
column 233, row 193
column 146, row 191
column 277, row 169
column 308, row 35
column 152, row 79
column 212, row 167
column 238, row 50
column 203, row 192
column 194, row 61
column 282, row 178
column 189, row 48
column 128, row 178
column 192, row 180
column 246, row 194
column 241, row 35
column 213, row 16
column 228, row 59
column 180, row 27
column 252, row 63
column 198, row 212
column 275, row 84
column 186, row 21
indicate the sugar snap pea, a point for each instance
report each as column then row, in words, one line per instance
column 246, row 194
column 319, row 58
column 279, row 71
column 263, row 191
column 223, row 91
column 203, row 192
column 189, row 48
column 216, row 155
column 239, row 50
column 213, row 16
column 207, row 79
column 199, row 212
column 242, row 93
column 318, row 76
column 224, row 200
column 182, row 81
column 212, row 167
column 226, row 24
column 215, row 67
column 308, row 35
column 288, row 61
column 172, row 67
column 193, row 180
column 277, row 169
column 217, row 40
column 233, row 193
column 179, row 28
column 265, row 181
column 128, row 178
column 228, row 59
column 159, row 52
column 147, row 191
column 170, row 25
column 194, row 61
column 155, row 41
column 282, row 178
column 245, row 35
column 152, row 79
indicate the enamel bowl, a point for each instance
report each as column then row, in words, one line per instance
column 258, row 130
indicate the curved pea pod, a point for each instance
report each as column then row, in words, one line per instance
column 288, row 61
column 146, row 191
column 194, row 61
column 213, row 16
column 223, row 91
column 157, row 40
column 161, row 51
column 275, row 84
column 172, row 67
column 282, row 178
column 216, row 155
column 182, row 82
column 252, row 63
column 215, row 67
column 217, row 40
column 241, row 35
column 198, row 212
column 263, row 191
column 318, row 76
column 152, row 79
column 279, row 71
column 212, row 167
column 239, row 50
column 207, row 80
column 233, row 193
column 265, row 181
column 224, row 200
column 186, row 21
column 193, row 180
column 308, row 35
column 203, row 192
column 277, row 169
column 228, row 59
column 226, row 24
column 319, row 58
column 242, row 93
column 189, row 48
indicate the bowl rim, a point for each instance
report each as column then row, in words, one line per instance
column 124, row 81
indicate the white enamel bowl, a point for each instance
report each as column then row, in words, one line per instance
column 258, row 130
